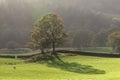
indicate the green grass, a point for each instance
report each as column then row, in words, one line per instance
column 98, row 49
column 8, row 61
column 22, row 54
column 42, row 71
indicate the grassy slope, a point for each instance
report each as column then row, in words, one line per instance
column 37, row 71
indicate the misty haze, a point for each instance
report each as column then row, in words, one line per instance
column 59, row 39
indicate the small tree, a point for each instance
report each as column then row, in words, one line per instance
column 114, row 41
column 48, row 31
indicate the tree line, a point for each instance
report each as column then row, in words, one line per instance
column 17, row 17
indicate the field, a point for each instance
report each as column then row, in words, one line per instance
column 16, row 69
column 25, row 54
column 98, row 50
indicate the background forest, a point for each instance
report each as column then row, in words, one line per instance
column 91, row 23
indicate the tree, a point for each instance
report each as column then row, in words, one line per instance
column 49, row 32
column 114, row 41
column 100, row 39
column 82, row 39
column 39, row 39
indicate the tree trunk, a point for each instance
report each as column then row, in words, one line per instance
column 53, row 45
column 54, row 52
column 42, row 51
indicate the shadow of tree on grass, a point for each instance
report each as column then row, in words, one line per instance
column 74, row 67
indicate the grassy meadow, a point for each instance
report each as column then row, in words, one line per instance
column 77, row 68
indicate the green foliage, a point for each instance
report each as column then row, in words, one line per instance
column 100, row 39
column 114, row 41
column 48, row 30
column 16, row 21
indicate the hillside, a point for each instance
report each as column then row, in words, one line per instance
column 17, row 17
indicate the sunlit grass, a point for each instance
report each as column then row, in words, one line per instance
column 98, row 49
column 8, row 61
column 39, row 71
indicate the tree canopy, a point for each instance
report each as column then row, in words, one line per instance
column 114, row 41
column 48, row 32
